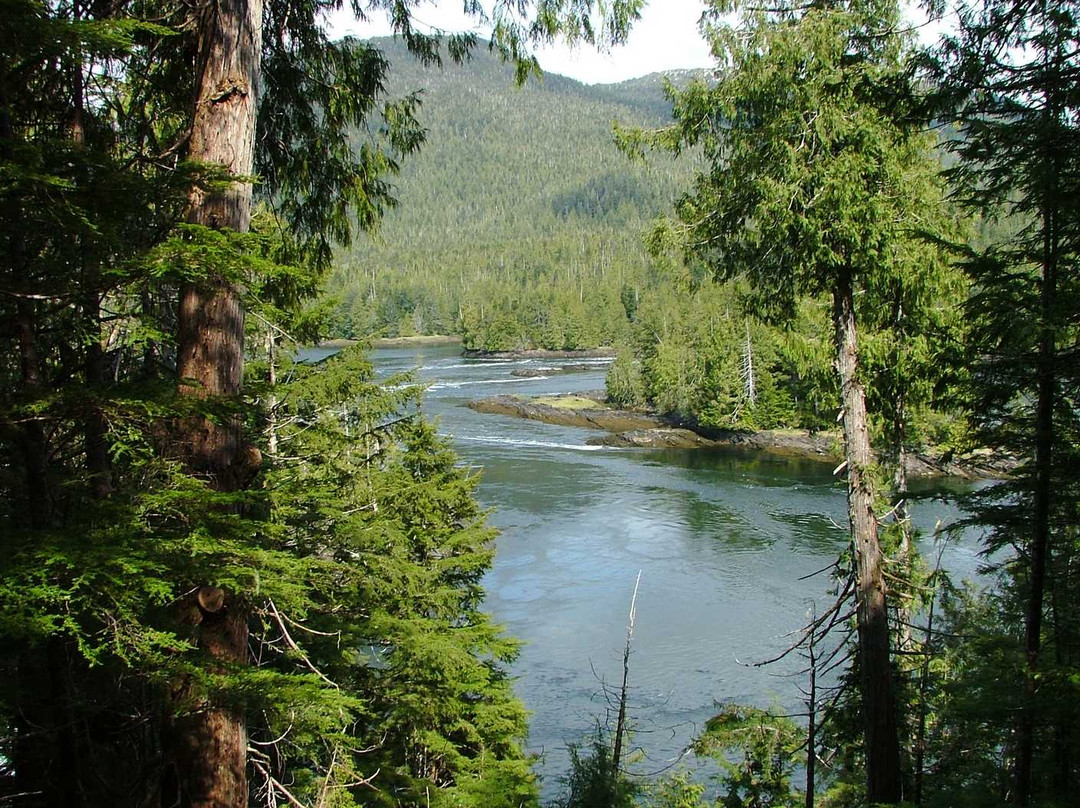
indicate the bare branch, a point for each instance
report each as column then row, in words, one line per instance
column 291, row 643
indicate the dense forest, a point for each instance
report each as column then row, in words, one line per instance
column 558, row 254
column 519, row 220
column 230, row 578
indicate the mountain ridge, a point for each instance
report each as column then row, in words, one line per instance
column 514, row 186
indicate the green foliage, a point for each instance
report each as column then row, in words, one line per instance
column 830, row 183
column 819, row 186
column 625, row 387
column 354, row 555
column 694, row 351
column 1007, row 78
column 542, row 250
column 802, row 191
column 757, row 751
column 977, row 681
column 369, row 496
column 676, row 791
column 592, row 782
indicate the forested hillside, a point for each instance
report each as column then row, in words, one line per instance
column 520, row 222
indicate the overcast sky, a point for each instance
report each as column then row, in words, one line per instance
column 665, row 38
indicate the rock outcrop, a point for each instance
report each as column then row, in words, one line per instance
column 635, row 429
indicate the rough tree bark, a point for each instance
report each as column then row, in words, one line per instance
column 209, row 745
column 879, row 709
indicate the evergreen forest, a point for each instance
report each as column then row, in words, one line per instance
column 231, row 577
column 519, row 221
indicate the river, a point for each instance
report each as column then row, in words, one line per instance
column 723, row 540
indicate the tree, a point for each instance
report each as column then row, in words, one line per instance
column 146, row 607
column 228, row 71
column 1008, row 77
column 810, row 149
column 210, row 744
column 80, row 204
column 757, row 751
column 593, row 780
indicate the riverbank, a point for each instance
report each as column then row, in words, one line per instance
column 627, row 428
column 542, row 353
column 396, row 342
column 426, row 339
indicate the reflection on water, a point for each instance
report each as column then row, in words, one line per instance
column 723, row 538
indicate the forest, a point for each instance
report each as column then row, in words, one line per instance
column 231, row 577
column 502, row 233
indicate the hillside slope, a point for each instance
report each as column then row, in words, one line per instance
column 515, row 187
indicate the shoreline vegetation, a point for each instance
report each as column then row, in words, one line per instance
column 634, row 428
column 397, row 342
column 542, row 353
column 631, row 428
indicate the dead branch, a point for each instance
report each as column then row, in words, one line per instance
column 311, row 630
column 291, row 643
column 620, row 723
column 277, row 740
column 833, row 565
column 273, row 782
column 808, row 630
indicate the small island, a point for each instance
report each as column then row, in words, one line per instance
column 636, row 429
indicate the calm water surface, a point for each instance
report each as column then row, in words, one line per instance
column 723, row 539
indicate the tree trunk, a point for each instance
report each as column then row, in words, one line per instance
column 1039, row 550
column 811, row 724
column 209, row 745
column 879, row 709
column 620, row 723
column 97, row 447
column 97, row 450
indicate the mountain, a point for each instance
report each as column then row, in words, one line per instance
column 514, row 188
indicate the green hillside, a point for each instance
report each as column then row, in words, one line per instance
column 515, row 187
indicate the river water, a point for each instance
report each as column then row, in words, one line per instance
column 723, row 540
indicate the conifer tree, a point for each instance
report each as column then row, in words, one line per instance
column 809, row 152
column 138, row 557
column 211, row 742
column 1009, row 76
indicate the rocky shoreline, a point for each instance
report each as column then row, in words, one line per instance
column 590, row 417
column 627, row 428
column 536, row 373
column 541, row 353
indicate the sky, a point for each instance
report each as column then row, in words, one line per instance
column 665, row 38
